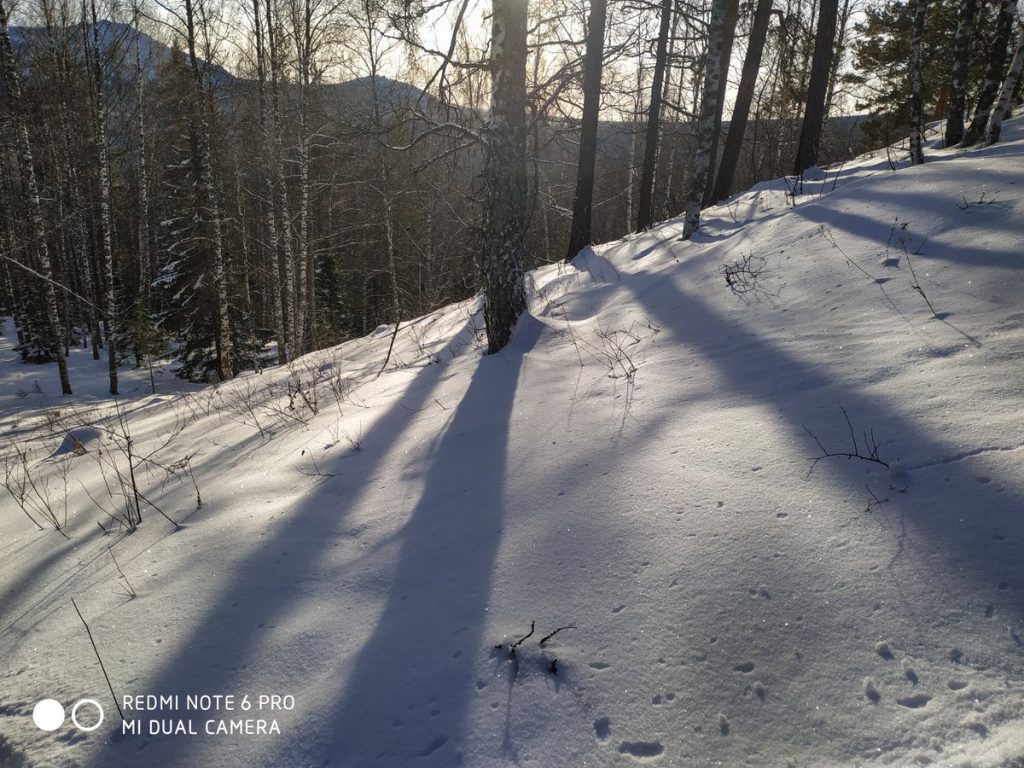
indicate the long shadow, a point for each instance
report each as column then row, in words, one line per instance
column 264, row 589
column 870, row 228
column 756, row 368
column 412, row 682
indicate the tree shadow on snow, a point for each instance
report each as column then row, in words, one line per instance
column 754, row 367
column 435, row 602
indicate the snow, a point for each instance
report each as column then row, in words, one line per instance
column 638, row 466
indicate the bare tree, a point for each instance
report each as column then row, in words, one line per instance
column 961, row 65
column 993, row 73
column 505, row 194
column 582, row 208
column 706, row 120
column 32, row 202
column 113, row 320
column 817, row 87
column 645, row 205
column 744, row 97
column 916, row 67
column 1010, row 83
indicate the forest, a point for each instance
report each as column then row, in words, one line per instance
column 237, row 184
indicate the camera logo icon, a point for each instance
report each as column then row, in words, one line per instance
column 48, row 714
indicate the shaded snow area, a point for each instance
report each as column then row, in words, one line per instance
column 645, row 466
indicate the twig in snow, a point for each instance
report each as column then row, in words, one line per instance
column 548, row 637
column 97, row 652
column 520, row 641
column 869, row 452
column 874, row 501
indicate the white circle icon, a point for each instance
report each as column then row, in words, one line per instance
column 74, row 715
column 48, row 714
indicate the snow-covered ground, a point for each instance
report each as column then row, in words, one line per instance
column 639, row 467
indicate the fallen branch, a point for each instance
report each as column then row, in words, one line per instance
column 869, row 453
column 97, row 652
column 548, row 637
column 520, row 641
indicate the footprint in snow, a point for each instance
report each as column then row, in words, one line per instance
column 641, row 750
column 916, row 701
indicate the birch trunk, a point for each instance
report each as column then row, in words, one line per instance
column 993, row 73
column 1002, row 106
column 269, row 208
column 728, row 38
column 505, row 195
column 144, row 262
column 202, row 110
column 286, row 255
column 706, row 119
column 113, row 319
column 35, row 213
column 961, row 65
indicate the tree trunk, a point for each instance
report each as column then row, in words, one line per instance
column 728, row 38
column 706, row 120
column 583, row 201
column 917, row 84
column 993, row 73
column 304, row 46
column 744, row 97
column 208, row 203
column 145, row 264
column 961, row 65
column 113, row 319
column 286, row 255
column 995, row 120
column 269, row 207
column 504, row 208
column 28, row 174
column 645, row 206
column 817, row 88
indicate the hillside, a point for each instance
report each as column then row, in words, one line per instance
column 644, row 466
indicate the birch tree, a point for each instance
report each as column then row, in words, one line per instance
column 1010, row 84
column 112, row 320
column 706, row 120
column 961, row 65
column 26, row 162
column 505, row 194
column 993, row 73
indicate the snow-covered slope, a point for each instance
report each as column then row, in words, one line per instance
column 639, row 467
